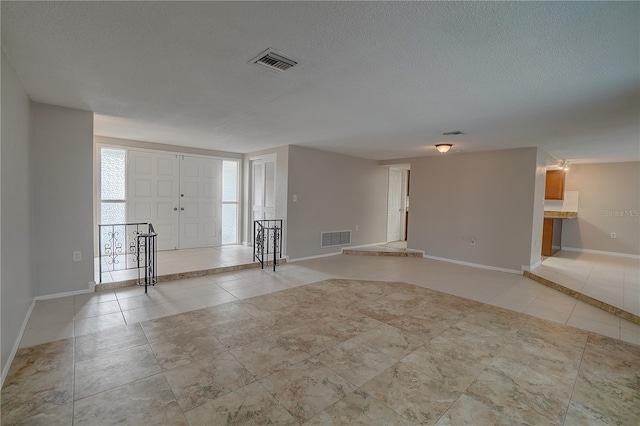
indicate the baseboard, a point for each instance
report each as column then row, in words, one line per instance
column 16, row 346
column 473, row 265
column 65, row 294
column 605, row 253
column 531, row 267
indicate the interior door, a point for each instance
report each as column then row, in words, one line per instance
column 394, row 206
column 263, row 183
column 152, row 185
column 200, row 202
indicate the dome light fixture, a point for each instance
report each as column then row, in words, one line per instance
column 564, row 165
column 443, row 147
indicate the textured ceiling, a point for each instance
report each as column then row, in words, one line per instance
column 378, row 80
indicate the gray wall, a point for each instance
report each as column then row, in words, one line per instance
column 335, row 192
column 62, row 172
column 16, row 282
column 489, row 196
column 542, row 158
column 608, row 201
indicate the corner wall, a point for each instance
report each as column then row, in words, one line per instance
column 334, row 192
column 62, row 173
column 17, row 289
column 608, row 201
column 486, row 196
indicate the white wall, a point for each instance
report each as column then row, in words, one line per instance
column 538, row 206
column 335, row 192
column 16, row 281
column 609, row 201
column 62, row 172
column 488, row 196
column 164, row 147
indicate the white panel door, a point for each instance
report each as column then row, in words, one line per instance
column 394, row 207
column 153, row 194
column 263, row 183
column 200, row 202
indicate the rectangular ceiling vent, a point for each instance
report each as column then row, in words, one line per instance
column 274, row 61
column 335, row 238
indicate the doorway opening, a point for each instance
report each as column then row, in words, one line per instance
column 398, row 205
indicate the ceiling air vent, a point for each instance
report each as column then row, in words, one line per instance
column 454, row 133
column 274, row 60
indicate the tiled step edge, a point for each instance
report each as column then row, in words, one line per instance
column 584, row 298
column 188, row 274
column 382, row 253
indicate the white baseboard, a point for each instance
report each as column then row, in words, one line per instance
column 606, row 253
column 65, row 294
column 531, row 267
column 16, row 346
column 474, row 265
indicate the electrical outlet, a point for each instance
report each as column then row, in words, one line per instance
column 295, row 198
column 77, row 256
column 613, row 235
column 473, row 241
column 356, row 227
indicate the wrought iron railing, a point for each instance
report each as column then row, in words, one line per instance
column 267, row 240
column 128, row 246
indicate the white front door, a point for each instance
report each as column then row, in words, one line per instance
column 263, row 183
column 153, row 194
column 200, row 202
column 394, row 206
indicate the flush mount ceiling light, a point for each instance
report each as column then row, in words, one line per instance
column 443, row 147
column 564, row 165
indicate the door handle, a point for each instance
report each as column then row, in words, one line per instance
column 181, row 208
column 175, row 209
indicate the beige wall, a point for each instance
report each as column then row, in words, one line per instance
column 488, row 196
column 542, row 159
column 608, row 201
column 62, row 172
column 16, row 281
column 334, row 192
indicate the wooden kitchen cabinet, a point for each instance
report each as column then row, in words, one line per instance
column 551, row 236
column 554, row 189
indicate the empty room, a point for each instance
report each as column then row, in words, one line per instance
column 320, row 213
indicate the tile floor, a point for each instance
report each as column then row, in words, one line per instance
column 614, row 280
column 176, row 261
column 337, row 351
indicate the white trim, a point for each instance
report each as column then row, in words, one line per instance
column 531, row 267
column 474, row 265
column 606, row 253
column 314, row 257
column 65, row 294
column 16, row 346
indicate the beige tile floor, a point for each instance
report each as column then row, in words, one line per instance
column 338, row 351
column 127, row 327
column 614, row 280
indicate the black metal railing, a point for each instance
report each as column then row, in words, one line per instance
column 267, row 240
column 124, row 246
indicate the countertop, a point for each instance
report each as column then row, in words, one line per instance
column 553, row 214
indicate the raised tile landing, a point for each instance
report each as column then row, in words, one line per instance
column 585, row 298
column 394, row 249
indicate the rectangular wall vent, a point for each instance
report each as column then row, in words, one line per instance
column 335, row 238
column 274, row 61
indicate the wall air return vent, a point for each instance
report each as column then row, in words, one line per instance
column 335, row 238
column 273, row 60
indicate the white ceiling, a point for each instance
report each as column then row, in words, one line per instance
column 378, row 80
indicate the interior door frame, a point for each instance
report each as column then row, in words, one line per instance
column 404, row 182
column 265, row 159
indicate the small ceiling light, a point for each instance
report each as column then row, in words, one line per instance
column 443, row 147
column 565, row 165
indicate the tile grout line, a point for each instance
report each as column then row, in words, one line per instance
column 584, row 349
